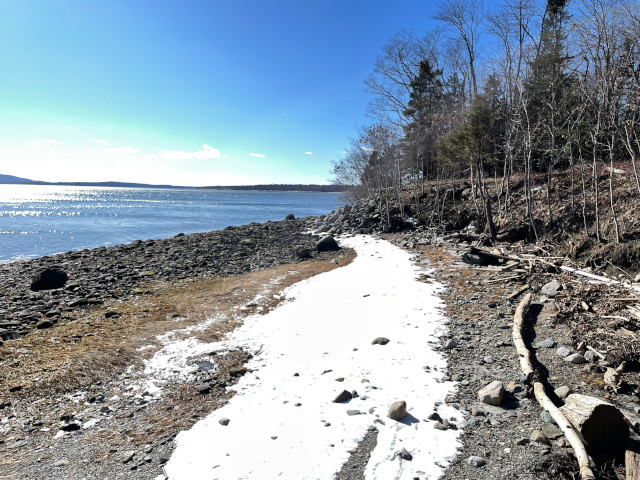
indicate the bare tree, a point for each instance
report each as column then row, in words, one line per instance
column 464, row 17
column 394, row 70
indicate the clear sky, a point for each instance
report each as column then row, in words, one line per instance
column 188, row 92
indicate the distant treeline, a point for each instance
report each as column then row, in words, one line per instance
column 284, row 188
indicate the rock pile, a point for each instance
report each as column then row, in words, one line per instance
column 366, row 216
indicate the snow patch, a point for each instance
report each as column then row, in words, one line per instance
column 284, row 425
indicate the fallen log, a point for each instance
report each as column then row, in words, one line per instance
column 632, row 460
column 524, row 354
column 601, row 425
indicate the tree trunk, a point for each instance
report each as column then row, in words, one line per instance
column 601, row 425
column 611, row 199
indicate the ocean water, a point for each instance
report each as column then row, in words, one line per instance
column 38, row 220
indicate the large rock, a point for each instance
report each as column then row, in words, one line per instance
column 492, row 394
column 49, row 279
column 398, row 410
column 327, row 244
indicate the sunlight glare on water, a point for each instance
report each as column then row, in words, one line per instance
column 38, row 220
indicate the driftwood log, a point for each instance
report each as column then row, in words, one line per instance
column 632, row 460
column 601, row 425
column 538, row 389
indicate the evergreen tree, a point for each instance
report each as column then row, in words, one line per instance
column 424, row 113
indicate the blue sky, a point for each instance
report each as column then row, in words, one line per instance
column 189, row 92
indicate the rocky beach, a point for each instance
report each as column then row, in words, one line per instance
column 75, row 402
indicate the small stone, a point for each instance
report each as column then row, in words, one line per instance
column 444, row 425
column 71, row 426
column 344, row 396
column 403, row 454
column 551, row 289
column 224, row 421
column 477, row 412
column 449, row 344
column 434, row 416
column 546, row 418
column 476, row 461
column 563, row 391
column 398, row 410
column 563, row 351
column 61, row 463
column 538, row 437
column 551, row 431
column 380, row 341
column 546, row 343
column 489, row 359
column 351, row 413
column 237, row 371
column 575, row 358
column 589, row 356
column 128, row 456
column 492, row 394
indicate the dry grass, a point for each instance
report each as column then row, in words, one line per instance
column 88, row 348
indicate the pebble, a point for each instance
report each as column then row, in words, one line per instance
column 449, row 344
column 492, row 394
column 224, row 421
column 563, row 351
column 538, row 437
column 343, row 396
column 546, row 343
column 476, row 461
column 575, row 358
column 563, row 391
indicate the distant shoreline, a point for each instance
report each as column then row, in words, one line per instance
column 12, row 180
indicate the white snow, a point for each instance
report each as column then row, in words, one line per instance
column 326, row 333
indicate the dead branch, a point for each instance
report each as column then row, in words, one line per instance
column 538, row 388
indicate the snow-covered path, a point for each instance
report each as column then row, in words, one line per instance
column 283, row 422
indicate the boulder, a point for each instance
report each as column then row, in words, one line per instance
column 291, row 216
column 492, row 394
column 380, row 341
column 49, row 279
column 327, row 244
